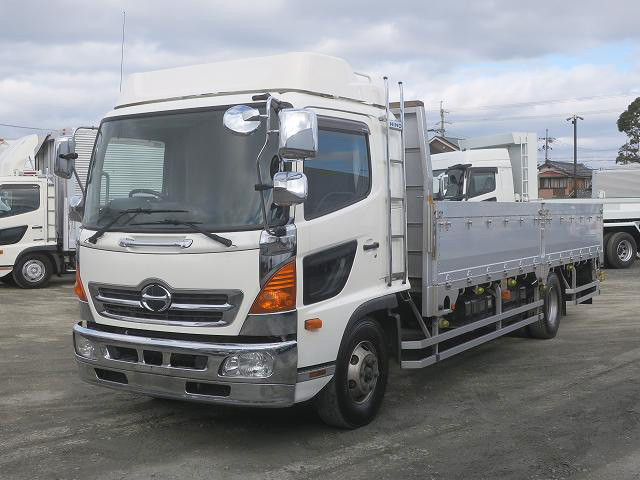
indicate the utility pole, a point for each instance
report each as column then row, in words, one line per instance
column 547, row 141
column 440, row 131
column 574, row 120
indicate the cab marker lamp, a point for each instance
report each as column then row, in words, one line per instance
column 78, row 289
column 279, row 293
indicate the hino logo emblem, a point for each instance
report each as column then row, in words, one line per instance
column 155, row 298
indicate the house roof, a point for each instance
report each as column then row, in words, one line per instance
column 566, row 168
column 451, row 142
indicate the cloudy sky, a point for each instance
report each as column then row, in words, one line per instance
column 496, row 65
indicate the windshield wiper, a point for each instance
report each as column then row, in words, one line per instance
column 224, row 241
column 134, row 212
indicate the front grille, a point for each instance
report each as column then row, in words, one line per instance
column 191, row 308
column 169, row 315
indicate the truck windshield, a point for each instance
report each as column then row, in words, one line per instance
column 184, row 160
column 455, row 184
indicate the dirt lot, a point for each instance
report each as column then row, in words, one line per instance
column 513, row 408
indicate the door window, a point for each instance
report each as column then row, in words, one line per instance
column 339, row 175
column 481, row 182
column 18, row 199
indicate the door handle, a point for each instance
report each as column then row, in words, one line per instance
column 370, row 246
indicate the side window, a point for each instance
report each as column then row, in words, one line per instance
column 339, row 175
column 326, row 273
column 17, row 199
column 481, row 182
column 124, row 155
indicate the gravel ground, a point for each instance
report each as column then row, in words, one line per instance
column 514, row 408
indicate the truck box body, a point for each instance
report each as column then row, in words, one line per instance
column 173, row 277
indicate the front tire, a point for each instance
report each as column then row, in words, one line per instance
column 353, row 396
column 621, row 250
column 547, row 327
column 32, row 271
column 8, row 279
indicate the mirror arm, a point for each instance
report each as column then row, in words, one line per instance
column 263, row 202
column 79, row 183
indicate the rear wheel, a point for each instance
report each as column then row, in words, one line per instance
column 32, row 270
column 354, row 395
column 621, row 250
column 548, row 326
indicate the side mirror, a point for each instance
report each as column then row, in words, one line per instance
column 298, row 134
column 65, row 158
column 289, row 188
column 76, row 208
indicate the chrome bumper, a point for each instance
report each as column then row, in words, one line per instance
column 149, row 368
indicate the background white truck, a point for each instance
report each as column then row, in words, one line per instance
column 274, row 239
column 37, row 237
column 490, row 169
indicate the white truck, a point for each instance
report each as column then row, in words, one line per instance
column 262, row 232
column 37, row 237
column 489, row 169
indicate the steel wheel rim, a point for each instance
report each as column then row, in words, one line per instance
column 553, row 306
column 624, row 251
column 33, row 270
column 363, row 372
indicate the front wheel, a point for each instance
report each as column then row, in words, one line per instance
column 353, row 396
column 548, row 326
column 32, row 271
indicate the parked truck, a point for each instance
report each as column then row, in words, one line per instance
column 37, row 236
column 263, row 232
column 490, row 169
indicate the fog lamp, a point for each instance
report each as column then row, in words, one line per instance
column 248, row 365
column 85, row 347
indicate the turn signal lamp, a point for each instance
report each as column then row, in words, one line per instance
column 77, row 288
column 279, row 293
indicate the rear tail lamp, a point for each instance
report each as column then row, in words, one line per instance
column 77, row 288
column 279, row 293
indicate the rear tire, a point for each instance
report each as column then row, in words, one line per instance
column 32, row 270
column 353, row 396
column 547, row 327
column 621, row 250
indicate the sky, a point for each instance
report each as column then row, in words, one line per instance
column 497, row 66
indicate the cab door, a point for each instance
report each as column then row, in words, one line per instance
column 21, row 218
column 481, row 185
column 341, row 234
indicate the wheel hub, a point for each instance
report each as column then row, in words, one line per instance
column 33, row 271
column 363, row 372
column 624, row 251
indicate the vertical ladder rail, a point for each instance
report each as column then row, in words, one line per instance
column 404, row 187
column 524, row 164
column 388, row 161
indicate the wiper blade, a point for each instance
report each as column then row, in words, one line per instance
column 224, row 241
column 134, row 212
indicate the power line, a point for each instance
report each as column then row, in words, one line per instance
column 525, row 117
column 26, row 127
column 545, row 102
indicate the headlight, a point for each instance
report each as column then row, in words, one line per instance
column 85, row 347
column 248, row 365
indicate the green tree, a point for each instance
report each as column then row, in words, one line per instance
column 629, row 124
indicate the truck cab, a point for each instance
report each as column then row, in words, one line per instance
column 37, row 234
column 474, row 175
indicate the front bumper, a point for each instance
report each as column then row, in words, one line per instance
column 186, row 370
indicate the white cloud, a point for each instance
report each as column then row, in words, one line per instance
column 467, row 53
